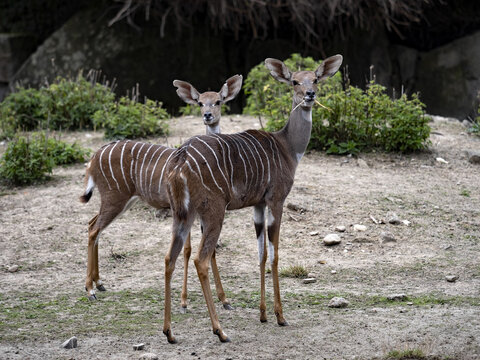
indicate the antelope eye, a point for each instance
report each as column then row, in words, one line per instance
column 200, row 104
column 295, row 83
column 217, row 103
column 315, row 81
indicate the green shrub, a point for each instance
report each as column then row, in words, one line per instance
column 73, row 103
column 63, row 153
column 22, row 110
column 31, row 159
column 65, row 104
column 475, row 128
column 127, row 119
column 356, row 120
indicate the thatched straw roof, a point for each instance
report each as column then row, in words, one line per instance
column 312, row 20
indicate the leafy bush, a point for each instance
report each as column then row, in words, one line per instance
column 356, row 120
column 65, row 104
column 475, row 128
column 127, row 119
column 31, row 159
column 73, row 103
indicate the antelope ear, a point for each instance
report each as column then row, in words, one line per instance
column 329, row 67
column 186, row 92
column 231, row 88
column 278, row 70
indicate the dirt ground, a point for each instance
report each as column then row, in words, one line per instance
column 43, row 231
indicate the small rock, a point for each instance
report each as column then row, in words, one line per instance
column 409, row 303
column 441, row 160
column 333, row 272
column 340, row 228
column 387, row 237
column 309, row 280
column 397, row 297
column 406, row 222
column 473, row 157
column 375, row 221
column 296, row 207
column 148, row 356
column 362, row 163
column 70, row 343
column 322, row 262
column 313, row 233
column 358, row 227
column 331, row 239
column 13, row 268
column 466, row 123
column 394, row 219
column 451, row 278
column 338, row 302
column 139, row 346
column 362, row 240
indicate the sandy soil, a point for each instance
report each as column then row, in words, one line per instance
column 43, row 230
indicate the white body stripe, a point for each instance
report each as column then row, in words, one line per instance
column 146, row 173
column 110, row 165
column 259, row 158
column 163, row 169
column 266, row 155
column 131, row 164
column 240, row 149
column 229, row 158
column 101, row 166
column 253, row 157
column 141, row 170
column 216, row 158
column 155, row 166
column 199, row 171
column 136, row 166
column 121, row 165
column 209, row 168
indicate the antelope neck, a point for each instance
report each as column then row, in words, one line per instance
column 213, row 129
column 297, row 130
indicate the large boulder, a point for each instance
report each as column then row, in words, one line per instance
column 448, row 77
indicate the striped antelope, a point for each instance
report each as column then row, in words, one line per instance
column 213, row 173
column 125, row 171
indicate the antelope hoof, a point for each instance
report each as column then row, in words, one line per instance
column 282, row 322
column 263, row 316
column 183, row 310
column 222, row 336
column 227, row 306
column 101, row 288
column 91, row 294
column 170, row 337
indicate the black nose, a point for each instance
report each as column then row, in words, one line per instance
column 310, row 93
column 208, row 115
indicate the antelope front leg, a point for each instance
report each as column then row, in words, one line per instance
column 218, row 284
column 259, row 220
column 274, row 220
